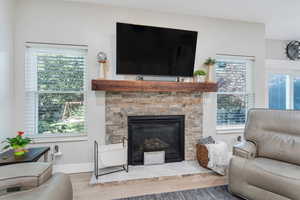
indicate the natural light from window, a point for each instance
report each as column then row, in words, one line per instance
column 55, row 90
column 235, row 94
column 284, row 91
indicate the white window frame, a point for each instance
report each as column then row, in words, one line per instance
column 283, row 67
column 41, row 138
column 250, row 60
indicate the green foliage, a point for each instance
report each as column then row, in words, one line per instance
column 16, row 142
column 60, row 73
column 200, row 72
column 61, row 111
column 210, row 61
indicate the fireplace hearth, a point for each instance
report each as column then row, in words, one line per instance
column 156, row 133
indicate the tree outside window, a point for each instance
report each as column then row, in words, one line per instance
column 234, row 96
column 55, row 91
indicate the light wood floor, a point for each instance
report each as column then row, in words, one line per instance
column 84, row 191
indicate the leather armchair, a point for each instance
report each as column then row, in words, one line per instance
column 267, row 165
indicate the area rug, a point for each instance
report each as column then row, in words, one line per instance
column 213, row 193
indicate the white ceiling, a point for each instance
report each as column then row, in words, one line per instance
column 282, row 17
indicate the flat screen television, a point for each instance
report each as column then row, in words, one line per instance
column 147, row 50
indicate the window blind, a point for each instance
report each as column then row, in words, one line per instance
column 54, row 90
column 235, row 95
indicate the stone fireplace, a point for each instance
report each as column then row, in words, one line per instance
column 121, row 106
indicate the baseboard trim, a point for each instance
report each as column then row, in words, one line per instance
column 73, row 168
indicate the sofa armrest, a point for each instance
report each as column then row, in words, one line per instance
column 245, row 149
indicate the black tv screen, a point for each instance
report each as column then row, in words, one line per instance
column 146, row 50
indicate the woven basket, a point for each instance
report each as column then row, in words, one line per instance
column 202, row 155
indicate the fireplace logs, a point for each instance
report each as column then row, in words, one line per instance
column 154, row 144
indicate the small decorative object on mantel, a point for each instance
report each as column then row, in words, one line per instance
column 293, row 50
column 199, row 76
column 18, row 144
column 102, row 60
column 210, row 63
column 139, row 78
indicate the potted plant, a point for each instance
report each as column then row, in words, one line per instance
column 17, row 143
column 210, row 63
column 199, row 76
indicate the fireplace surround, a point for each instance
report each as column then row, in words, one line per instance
column 120, row 105
column 155, row 133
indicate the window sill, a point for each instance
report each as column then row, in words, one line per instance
column 55, row 139
column 223, row 130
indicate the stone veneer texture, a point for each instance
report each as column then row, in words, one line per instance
column 120, row 105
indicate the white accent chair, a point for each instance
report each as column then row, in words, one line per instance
column 111, row 155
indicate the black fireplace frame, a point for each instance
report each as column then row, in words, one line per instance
column 159, row 118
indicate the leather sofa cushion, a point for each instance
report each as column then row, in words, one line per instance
column 275, row 176
column 276, row 134
column 24, row 175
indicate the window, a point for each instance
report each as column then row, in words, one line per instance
column 278, row 91
column 284, row 91
column 235, row 95
column 55, row 90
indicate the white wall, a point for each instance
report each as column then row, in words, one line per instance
column 7, row 10
column 276, row 49
column 94, row 25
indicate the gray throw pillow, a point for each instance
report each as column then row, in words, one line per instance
column 206, row 140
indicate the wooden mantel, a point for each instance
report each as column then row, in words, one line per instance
column 151, row 86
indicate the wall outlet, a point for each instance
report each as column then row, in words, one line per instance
column 56, row 149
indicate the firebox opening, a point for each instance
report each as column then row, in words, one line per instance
column 153, row 134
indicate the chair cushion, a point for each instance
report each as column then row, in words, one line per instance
column 275, row 176
column 24, row 175
column 276, row 134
